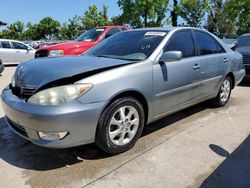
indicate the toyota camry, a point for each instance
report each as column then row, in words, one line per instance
column 129, row 80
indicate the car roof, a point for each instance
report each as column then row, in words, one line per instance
column 113, row 26
column 246, row 34
column 9, row 40
column 167, row 29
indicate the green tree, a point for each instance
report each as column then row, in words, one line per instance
column 48, row 28
column 93, row 17
column 143, row 13
column 193, row 11
column 239, row 13
column 13, row 31
column 72, row 29
column 218, row 22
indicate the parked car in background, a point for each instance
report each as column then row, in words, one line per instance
column 242, row 45
column 84, row 42
column 1, row 66
column 13, row 52
column 108, row 94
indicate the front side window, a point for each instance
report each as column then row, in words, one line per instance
column 207, row 44
column 91, row 35
column 20, row 46
column 132, row 45
column 181, row 41
column 5, row 44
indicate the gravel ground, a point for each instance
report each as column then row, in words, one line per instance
column 201, row 146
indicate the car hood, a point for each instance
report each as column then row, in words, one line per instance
column 73, row 44
column 40, row 72
column 244, row 50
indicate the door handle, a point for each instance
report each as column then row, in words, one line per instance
column 196, row 67
column 225, row 60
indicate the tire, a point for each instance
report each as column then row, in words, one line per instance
column 120, row 136
column 224, row 93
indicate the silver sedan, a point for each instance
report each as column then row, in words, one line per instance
column 130, row 80
column 14, row 52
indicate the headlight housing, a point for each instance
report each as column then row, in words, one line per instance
column 59, row 95
column 54, row 53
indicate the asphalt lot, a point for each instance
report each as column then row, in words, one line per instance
column 201, row 146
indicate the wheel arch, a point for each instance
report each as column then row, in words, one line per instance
column 231, row 75
column 131, row 93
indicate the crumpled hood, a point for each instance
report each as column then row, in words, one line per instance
column 39, row 72
column 244, row 50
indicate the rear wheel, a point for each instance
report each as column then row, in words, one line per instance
column 224, row 93
column 120, row 125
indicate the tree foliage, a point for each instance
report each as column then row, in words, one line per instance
column 239, row 14
column 193, row 11
column 143, row 13
column 93, row 18
column 225, row 18
column 218, row 22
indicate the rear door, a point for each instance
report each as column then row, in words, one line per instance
column 213, row 62
column 177, row 83
column 6, row 52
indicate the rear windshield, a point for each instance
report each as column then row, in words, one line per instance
column 131, row 45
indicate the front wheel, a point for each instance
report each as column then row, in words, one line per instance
column 120, row 125
column 224, row 93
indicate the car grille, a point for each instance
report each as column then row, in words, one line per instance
column 23, row 91
column 41, row 53
column 246, row 59
column 18, row 128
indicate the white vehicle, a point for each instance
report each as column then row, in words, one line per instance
column 14, row 52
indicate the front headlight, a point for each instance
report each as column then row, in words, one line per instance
column 54, row 53
column 59, row 95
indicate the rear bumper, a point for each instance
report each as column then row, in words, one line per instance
column 79, row 120
column 239, row 75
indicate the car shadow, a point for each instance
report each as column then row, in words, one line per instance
column 245, row 83
column 23, row 154
column 234, row 171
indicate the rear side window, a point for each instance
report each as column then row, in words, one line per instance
column 5, row 44
column 181, row 41
column 207, row 44
column 17, row 45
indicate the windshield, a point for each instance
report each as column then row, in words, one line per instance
column 91, row 35
column 243, row 41
column 132, row 45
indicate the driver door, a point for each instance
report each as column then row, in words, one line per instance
column 177, row 83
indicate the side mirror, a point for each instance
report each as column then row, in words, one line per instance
column 233, row 46
column 171, row 56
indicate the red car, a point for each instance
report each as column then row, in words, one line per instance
column 84, row 42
